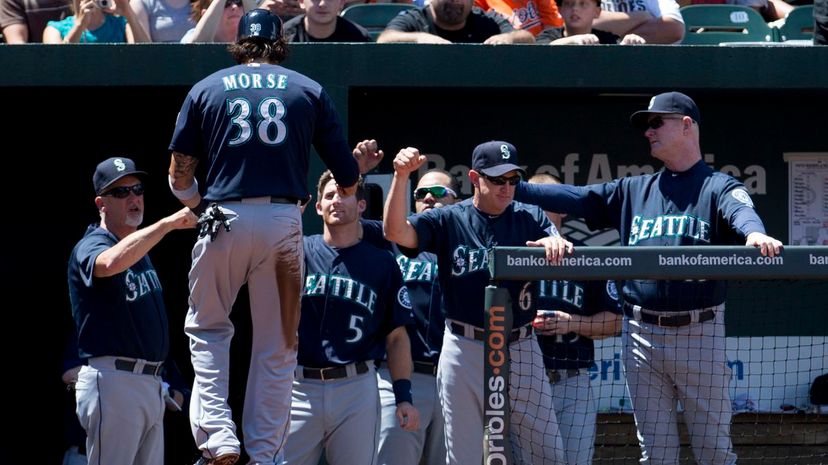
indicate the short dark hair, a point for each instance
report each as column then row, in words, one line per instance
column 453, row 183
column 253, row 48
column 327, row 176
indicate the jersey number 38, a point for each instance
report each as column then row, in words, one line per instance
column 270, row 130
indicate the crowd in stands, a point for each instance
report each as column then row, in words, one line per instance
column 554, row 22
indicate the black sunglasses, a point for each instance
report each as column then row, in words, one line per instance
column 238, row 3
column 502, row 180
column 658, row 121
column 437, row 191
column 123, row 191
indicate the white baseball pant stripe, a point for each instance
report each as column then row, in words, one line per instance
column 686, row 364
column 576, row 412
column 534, row 429
column 340, row 417
column 263, row 249
column 427, row 445
column 122, row 413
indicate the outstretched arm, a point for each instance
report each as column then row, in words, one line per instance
column 129, row 250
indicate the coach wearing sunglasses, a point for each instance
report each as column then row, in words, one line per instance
column 674, row 338
column 121, row 321
column 460, row 235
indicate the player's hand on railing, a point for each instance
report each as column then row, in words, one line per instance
column 368, row 155
column 408, row 416
column 556, row 247
column 408, row 160
column 767, row 245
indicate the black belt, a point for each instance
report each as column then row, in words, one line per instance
column 331, row 373
column 480, row 334
column 671, row 321
column 426, row 368
column 556, row 376
column 153, row 369
column 289, row 200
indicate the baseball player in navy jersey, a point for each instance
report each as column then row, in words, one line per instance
column 571, row 314
column 253, row 124
column 354, row 309
column 119, row 313
column 427, row 445
column 460, row 235
column 674, row 345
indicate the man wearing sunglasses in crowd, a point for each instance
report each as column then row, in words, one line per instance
column 674, row 338
column 436, row 189
column 460, row 235
column 119, row 313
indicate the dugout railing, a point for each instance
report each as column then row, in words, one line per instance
column 796, row 264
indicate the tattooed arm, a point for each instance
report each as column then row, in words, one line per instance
column 182, row 179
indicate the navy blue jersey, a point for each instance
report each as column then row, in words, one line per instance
column 419, row 275
column 694, row 207
column 461, row 236
column 255, row 125
column 352, row 299
column 120, row 315
column 586, row 298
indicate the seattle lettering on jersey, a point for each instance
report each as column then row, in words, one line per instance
column 466, row 260
column 342, row 287
column 140, row 284
column 416, row 270
column 567, row 291
column 668, row 226
column 254, row 81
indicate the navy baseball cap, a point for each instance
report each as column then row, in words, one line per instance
column 495, row 158
column 666, row 103
column 111, row 170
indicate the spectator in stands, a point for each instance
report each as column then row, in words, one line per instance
column 91, row 23
column 657, row 21
column 771, row 10
column 322, row 23
column 216, row 20
column 452, row 21
column 820, row 22
column 535, row 16
column 164, row 20
column 578, row 17
column 23, row 21
column 286, row 9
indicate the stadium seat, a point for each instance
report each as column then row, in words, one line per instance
column 799, row 24
column 374, row 16
column 714, row 24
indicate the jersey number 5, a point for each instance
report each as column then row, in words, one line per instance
column 354, row 326
column 271, row 130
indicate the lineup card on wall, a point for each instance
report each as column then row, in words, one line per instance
column 807, row 197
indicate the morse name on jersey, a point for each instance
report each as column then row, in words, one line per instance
column 342, row 287
column 668, row 226
column 140, row 284
column 416, row 270
column 254, row 81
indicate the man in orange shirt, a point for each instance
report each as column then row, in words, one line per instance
column 534, row 16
